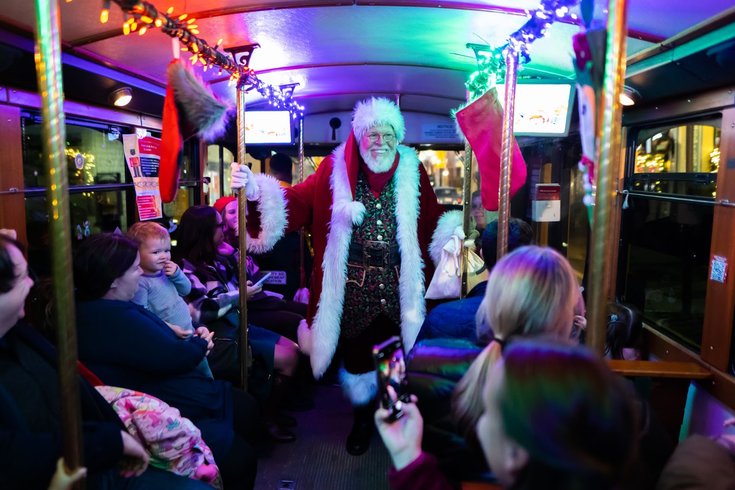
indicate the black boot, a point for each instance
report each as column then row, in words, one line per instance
column 275, row 425
column 301, row 397
column 358, row 441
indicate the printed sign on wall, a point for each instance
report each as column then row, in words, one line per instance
column 143, row 155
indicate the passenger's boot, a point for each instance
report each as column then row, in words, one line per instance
column 301, row 397
column 276, row 423
column 358, row 441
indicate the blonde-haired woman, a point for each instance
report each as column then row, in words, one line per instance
column 533, row 291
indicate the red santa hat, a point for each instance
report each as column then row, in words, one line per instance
column 374, row 111
column 189, row 109
column 221, row 203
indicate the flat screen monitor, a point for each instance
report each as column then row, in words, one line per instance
column 541, row 109
column 268, row 128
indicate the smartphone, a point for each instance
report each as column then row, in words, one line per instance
column 262, row 280
column 390, row 366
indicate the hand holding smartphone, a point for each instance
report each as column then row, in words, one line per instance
column 262, row 280
column 390, row 366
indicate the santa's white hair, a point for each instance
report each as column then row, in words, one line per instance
column 374, row 111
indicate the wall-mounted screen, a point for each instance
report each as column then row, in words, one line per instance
column 541, row 109
column 268, row 128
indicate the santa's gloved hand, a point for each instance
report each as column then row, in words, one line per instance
column 474, row 235
column 459, row 231
column 242, row 178
column 467, row 241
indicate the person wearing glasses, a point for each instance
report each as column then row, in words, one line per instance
column 377, row 230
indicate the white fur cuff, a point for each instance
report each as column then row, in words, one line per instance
column 359, row 388
column 444, row 230
column 273, row 214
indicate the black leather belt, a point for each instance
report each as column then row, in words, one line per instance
column 373, row 253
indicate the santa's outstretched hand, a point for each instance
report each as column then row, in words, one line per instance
column 242, row 177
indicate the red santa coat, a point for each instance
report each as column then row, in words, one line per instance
column 324, row 203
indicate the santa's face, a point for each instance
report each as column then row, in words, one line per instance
column 378, row 148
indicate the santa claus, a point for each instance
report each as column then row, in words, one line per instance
column 376, row 228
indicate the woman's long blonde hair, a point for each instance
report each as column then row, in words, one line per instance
column 531, row 292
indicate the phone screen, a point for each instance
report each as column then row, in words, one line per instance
column 390, row 365
column 262, row 280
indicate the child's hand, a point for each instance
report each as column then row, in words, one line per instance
column 204, row 333
column 170, row 268
column 180, row 332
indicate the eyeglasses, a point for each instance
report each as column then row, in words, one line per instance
column 386, row 138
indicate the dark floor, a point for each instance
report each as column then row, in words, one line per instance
column 318, row 460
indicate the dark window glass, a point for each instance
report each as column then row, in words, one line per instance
column 667, row 229
column 667, row 245
column 94, row 154
column 101, row 193
column 89, row 213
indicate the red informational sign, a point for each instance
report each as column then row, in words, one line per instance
column 546, row 204
column 548, row 192
column 142, row 157
column 148, row 208
column 149, row 145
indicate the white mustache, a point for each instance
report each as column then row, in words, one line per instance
column 380, row 163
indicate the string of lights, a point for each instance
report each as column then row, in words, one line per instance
column 142, row 16
column 491, row 61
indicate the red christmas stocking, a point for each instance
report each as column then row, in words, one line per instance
column 171, row 144
column 481, row 123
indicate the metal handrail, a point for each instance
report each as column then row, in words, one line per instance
column 670, row 197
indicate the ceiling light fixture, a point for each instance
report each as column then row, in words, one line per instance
column 122, row 96
column 629, row 96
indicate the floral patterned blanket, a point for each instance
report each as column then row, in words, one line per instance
column 174, row 442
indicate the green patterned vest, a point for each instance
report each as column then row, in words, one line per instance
column 372, row 283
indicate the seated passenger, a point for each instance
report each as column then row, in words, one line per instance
column 285, row 254
column 553, row 417
column 532, row 291
column 162, row 285
column 216, row 293
column 456, row 319
column 30, row 407
column 130, row 347
column 264, row 309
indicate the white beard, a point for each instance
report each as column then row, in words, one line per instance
column 381, row 164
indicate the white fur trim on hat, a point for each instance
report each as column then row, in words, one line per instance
column 374, row 111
